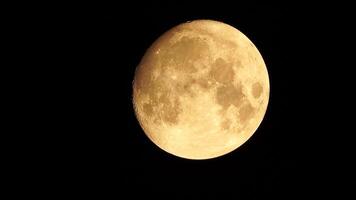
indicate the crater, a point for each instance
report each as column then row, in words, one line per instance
column 148, row 109
column 229, row 95
column 170, row 109
column 163, row 104
column 246, row 112
column 217, row 38
column 187, row 50
column 184, row 87
column 238, row 64
column 144, row 73
column 187, row 86
column 203, row 82
column 257, row 90
column 222, row 71
column 142, row 78
column 225, row 125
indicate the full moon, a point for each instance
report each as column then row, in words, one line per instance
column 201, row 90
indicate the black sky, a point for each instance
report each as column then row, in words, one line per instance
column 289, row 156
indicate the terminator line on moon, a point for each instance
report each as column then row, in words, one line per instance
column 201, row 90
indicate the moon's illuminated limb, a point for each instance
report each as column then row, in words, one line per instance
column 201, row 90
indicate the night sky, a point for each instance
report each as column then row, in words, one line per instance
column 290, row 154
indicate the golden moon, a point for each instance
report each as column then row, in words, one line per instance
column 201, row 90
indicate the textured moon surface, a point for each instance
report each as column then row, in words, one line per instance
column 201, row 90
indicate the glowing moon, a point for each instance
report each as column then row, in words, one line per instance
column 201, row 90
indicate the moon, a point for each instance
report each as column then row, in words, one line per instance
column 201, row 90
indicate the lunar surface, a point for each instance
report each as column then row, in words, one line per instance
column 201, row 90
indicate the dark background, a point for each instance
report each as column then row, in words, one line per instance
column 293, row 154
